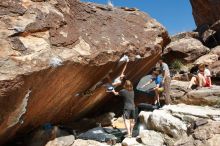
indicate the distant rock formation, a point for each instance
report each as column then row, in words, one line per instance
column 190, row 51
column 205, row 11
column 207, row 18
column 53, row 52
column 186, row 49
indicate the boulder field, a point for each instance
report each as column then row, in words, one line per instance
column 181, row 125
column 172, row 125
column 55, row 56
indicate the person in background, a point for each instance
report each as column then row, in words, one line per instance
column 208, row 76
column 202, row 79
column 159, row 87
column 166, row 80
column 129, row 107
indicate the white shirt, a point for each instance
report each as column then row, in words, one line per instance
column 207, row 72
column 164, row 67
column 117, row 80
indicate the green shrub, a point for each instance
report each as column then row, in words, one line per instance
column 177, row 65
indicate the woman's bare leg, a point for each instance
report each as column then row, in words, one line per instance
column 132, row 123
column 193, row 81
column 127, row 125
column 202, row 80
column 157, row 96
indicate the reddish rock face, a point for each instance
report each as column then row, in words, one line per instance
column 207, row 18
column 186, row 49
column 205, row 11
column 53, row 52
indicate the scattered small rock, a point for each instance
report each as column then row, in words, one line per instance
column 151, row 138
column 130, row 142
column 62, row 141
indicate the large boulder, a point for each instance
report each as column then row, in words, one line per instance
column 214, row 140
column 62, row 141
column 204, row 135
column 216, row 50
column 185, row 49
column 215, row 68
column 164, row 122
column 207, row 59
column 181, row 110
column 118, row 123
column 212, row 60
column 205, row 11
column 131, row 142
column 55, row 55
column 200, row 123
column 181, row 35
column 207, row 16
column 151, row 138
column 144, row 117
column 80, row 142
column 178, row 89
column 203, row 96
column 40, row 136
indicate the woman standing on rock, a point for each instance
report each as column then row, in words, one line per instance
column 129, row 107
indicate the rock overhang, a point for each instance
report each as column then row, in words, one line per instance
column 53, row 50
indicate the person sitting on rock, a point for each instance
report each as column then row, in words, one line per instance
column 129, row 107
column 202, row 79
column 159, row 86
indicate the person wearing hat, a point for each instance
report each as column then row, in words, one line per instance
column 202, row 79
column 159, row 86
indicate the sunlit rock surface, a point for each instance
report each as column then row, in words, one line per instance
column 207, row 18
column 200, row 123
column 53, row 52
column 205, row 11
column 203, row 96
column 186, row 49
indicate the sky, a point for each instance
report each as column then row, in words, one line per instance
column 175, row 15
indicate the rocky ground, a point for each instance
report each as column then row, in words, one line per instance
column 172, row 125
column 192, row 120
column 203, row 96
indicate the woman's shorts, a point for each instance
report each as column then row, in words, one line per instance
column 207, row 83
column 129, row 114
column 161, row 89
